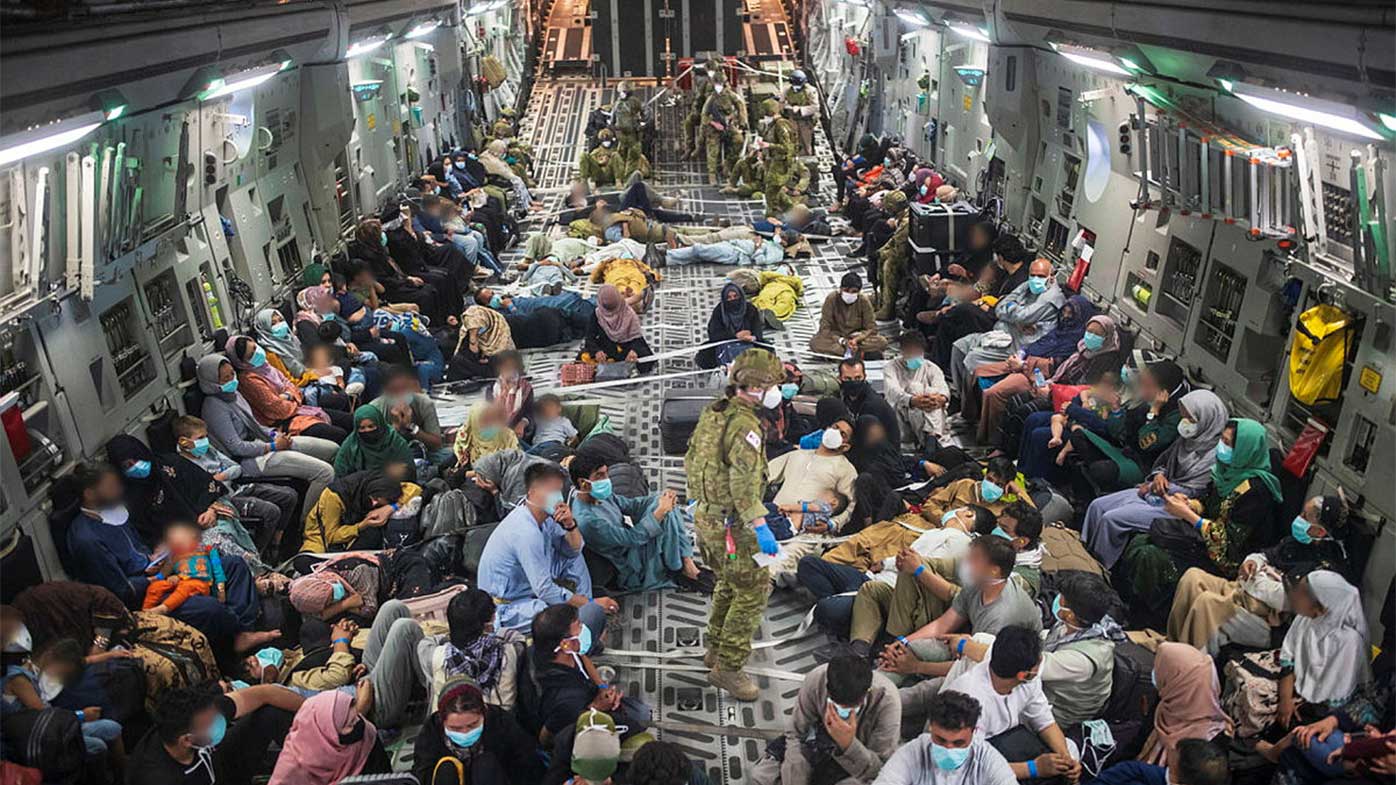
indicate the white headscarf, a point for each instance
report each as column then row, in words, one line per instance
column 1330, row 653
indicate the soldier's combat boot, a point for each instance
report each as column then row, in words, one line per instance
column 735, row 683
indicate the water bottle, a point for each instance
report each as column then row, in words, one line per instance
column 1038, row 378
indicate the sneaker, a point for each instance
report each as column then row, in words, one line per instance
column 710, row 659
column 354, row 389
column 734, row 683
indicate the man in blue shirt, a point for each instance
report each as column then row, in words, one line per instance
column 534, row 559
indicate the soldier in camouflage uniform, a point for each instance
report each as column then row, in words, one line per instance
column 726, row 467
column 774, row 130
column 893, row 256
column 802, row 107
column 783, row 178
column 626, row 118
column 603, row 164
column 724, row 124
column 702, row 88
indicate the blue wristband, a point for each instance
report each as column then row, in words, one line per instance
column 960, row 649
column 344, row 641
column 903, row 641
column 394, row 506
column 920, row 568
column 1198, row 523
column 273, row 441
column 1032, row 768
column 82, row 717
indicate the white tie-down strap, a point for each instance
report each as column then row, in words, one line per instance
column 772, row 673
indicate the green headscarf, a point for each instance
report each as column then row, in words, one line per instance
column 312, row 273
column 357, row 454
column 1250, row 460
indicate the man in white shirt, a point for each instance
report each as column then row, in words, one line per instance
column 1016, row 717
column 950, row 752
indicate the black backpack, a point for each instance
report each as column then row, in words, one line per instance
column 1132, row 691
column 49, row 740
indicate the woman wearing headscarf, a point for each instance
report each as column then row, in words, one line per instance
column 315, row 274
column 483, row 433
column 501, row 474
column 351, row 513
column 235, row 431
column 1326, row 655
column 734, row 320
column 1237, row 516
column 1015, row 375
column 484, row 333
column 467, row 742
column 276, row 402
column 615, row 334
column 496, row 166
column 1189, row 704
column 163, row 489
column 372, row 444
column 1118, row 458
column 370, row 244
column 282, row 345
column 926, row 183
column 329, row 741
column 1185, row 468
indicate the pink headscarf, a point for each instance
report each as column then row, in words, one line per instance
column 1082, row 355
column 616, row 317
column 274, row 377
column 312, row 754
column 309, row 301
column 1188, row 707
column 928, row 178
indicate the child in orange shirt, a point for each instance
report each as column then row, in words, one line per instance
column 187, row 569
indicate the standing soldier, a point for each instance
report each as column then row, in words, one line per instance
column 627, row 117
column 893, row 255
column 723, row 123
column 702, row 88
column 802, row 107
column 726, row 467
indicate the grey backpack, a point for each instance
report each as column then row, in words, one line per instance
column 448, row 512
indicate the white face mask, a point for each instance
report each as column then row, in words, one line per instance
column 717, row 88
column 115, row 516
column 849, row 298
column 772, row 398
column 1187, row 429
column 832, row 439
column 48, row 687
column 21, row 642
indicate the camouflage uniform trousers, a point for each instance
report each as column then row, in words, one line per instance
column 722, row 155
column 739, row 599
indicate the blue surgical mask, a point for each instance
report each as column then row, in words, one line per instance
column 1125, row 374
column 1057, row 608
column 329, row 317
column 998, row 530
column 467, row 739
column 990, row 490
column 601, row 489
column 216, row 731
column 138, row 470
column 789, row 390
column 947, row 517
column 1092, row 342
column 459, row 164
column 239, row 684
column 1224, row 452
column 925, row 190
column 948, row 759
column 230, row 386
column 553, row 500
column 584, row 640
column 497, row 302
column 489, row 432
column 280, row 330
column 200, row 447
column 1299, row 529
column 259, row 358
column 272, row 656
column 843, row 712
column 337, row 591
column 1037, row 284
column 383, row 239
column 914, row 363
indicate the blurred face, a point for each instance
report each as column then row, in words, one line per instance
column 551, row 409
column 62, row 671
column 317, row 356
column 226, row 373
column 107, row 493
column 979, row 567
column 1301, row 599
column 910, row 350
column 543, row 492
column 1311, row 513
column 401, row 386
column 1147, row 385
column 978, row 237
column 492, row 416
column 1229, row 436
column 181, row 537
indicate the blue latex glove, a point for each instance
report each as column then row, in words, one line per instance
column 766, row 540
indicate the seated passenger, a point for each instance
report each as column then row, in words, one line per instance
column 988, row 599
column 188, row 569
column 283, row 348
column 1234, row 518
column 512, row 392
column 733, row 320
column 496, row 166
column 467, row 741
column 550, row 427
column 1325, row 658
column 201, row 738
column 1022, row 315
column 474, row 650
column 1189, row 701
column 1119, row 459
column 1184, row 469
column 41, row 677
column 1017, row 718
column 655, row 551
column 501, row 475
column 969, row 316
column 370, row 244
column 412, row 413
column 1046, row 450
column 560, row 683
column 862, row 399
column 372, row 445
column 1210, row 611
column 845, row 724
column 328, row 742
column 615, row 334
column 351, row 513
column 1196, row 762
column 917, row 391
column 534, row 559
column 275, row 402
column 483, row 334
column 846, row 323
column 483, row 433
column 950, row 752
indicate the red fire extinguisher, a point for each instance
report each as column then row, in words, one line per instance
column 850, row 44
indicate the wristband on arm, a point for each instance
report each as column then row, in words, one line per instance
column 337, row 641
column 1032, row 768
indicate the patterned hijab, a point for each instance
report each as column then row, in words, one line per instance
column 1082, row 355
column 491, row 327
column 274, row 377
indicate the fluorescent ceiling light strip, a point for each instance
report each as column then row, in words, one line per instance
column 912, row 17
column 424, row 28
column 969, row 31
column 1098, row 62
column 1303, row 114
column 242, row 80
column 365, row 46
column 48, row 137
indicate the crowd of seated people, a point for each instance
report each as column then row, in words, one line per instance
column 1109, row 587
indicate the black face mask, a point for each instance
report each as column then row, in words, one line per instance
column 853, row 388
column 372, row 436
column 354, row 736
